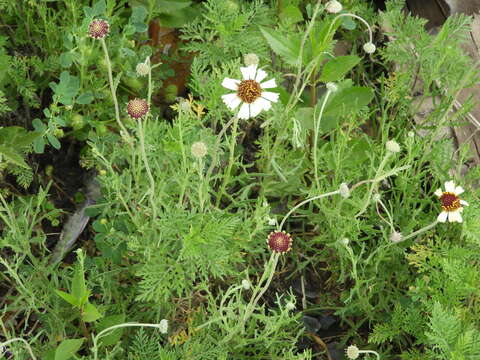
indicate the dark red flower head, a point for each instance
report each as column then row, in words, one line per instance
column 137, row 108
column 98, row 29
column 279, row 241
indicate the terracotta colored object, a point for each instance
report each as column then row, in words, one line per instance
column 166, row 41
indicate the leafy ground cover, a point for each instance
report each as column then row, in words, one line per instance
column 228, row 179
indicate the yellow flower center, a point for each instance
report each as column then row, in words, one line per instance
column 249, row 91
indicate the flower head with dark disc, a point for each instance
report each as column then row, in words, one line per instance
column 98, row 29
column 279, row 241
column 137, row 108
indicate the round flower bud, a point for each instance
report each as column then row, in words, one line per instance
column 353, row 352
column 344, row 190
column 279, row 241
column 332, row 87
column 376, row 197
column 334, row 7
column 250, row 59
column 98, row 29
column 392, row 146
column 345, row 241
column 137, row 108
column 290, row 306
column 142, row 69
column 396, row 237
column 199, row 149
column 163, row 326
column 411, row 134
column 246, row 284
column 369, row 48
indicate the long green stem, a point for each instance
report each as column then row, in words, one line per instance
column 315, row 140
column 141, row 135
column 112, row 88
column 226, row 179
column 420, row 231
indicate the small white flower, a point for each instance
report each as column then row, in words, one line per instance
column 290, row 306
column 396, row 237
column 334, row 7
column 250, row 92
column 452, row 205
column 163, row 326
column 199, row 149
column 332, row 87
column 345, row 241
column 344, row 190
column 411, row 134
column 271, row 221
column 142, row 69
column 392, row 146
column 369, row 48
column 250, row 59
column 376, row 197
column 353, row 352
column 246, row 284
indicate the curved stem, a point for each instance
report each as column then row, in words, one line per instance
column 112, row 87
column 370, row 34
column 217, row 145
column 111, row 328
column 369, row 352
column 315, row 140
column 303, row 203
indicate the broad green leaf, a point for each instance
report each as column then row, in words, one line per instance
column 68, row 348
column 39, row 145
column 85, row 98
column 66, row 89
column 39, row 125
column 66, row 59
column 54, row 141
column 338, row 67
column 291, row 14
column 287, row 48
column 12, row 156
column 180, row 17
column 79, row 288
column 113, row 337
column 72, row 300
column 348, row 101
column 170, row 6
column 90, row 313
column 139, row 13
column 99, row 8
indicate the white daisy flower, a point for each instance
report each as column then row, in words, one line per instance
column 250, row 92
column 452, row 205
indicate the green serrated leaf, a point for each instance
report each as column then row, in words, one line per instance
column 12, row 156
column 99, row 8
column 85, row 98
column 338, row 67
column 291, row 14
column 79, row 288
column 68, row 348
column 348, row 101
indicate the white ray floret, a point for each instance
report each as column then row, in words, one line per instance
column 452, row 205
column 250, row 96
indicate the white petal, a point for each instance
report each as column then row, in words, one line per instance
column 231, row 84
column 260, row 75
column 269, row 84
column 255, row 108
column 464, row 203
column 449, row 186
column 249, row 72
column 459, row 190
column 266, row 105
column 455, row 216
column 231, row 100
column 271, row 96
column 442, row 217
column 439, row 192
column 244, row 112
